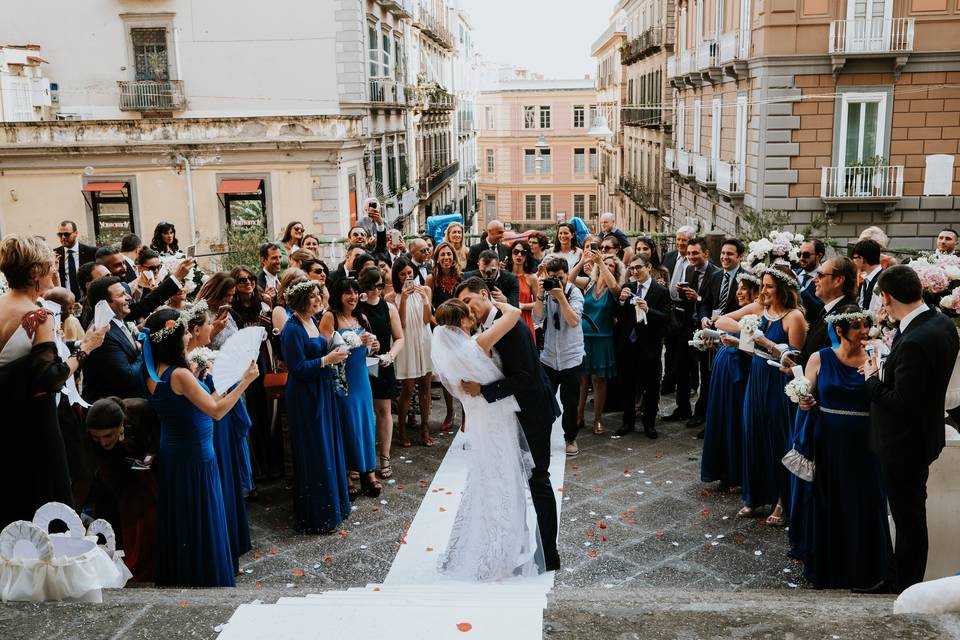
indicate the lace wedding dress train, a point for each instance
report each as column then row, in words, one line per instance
column 492, row 536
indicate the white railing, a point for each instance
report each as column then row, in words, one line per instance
column 703, row 169
column 152, row 95
column 732, row 46
column 672, row 67
column 729, row 180
column 875, row 35
column 862, row 183
column 668, row 159
column 683, row 163
column 686, row 62
column 706, row 54
column 387, row 90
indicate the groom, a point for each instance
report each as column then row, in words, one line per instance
column 526, row 381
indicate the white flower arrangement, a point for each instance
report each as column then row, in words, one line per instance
column 352, row 340
column 783, row 245
column 194, row 279
column 202, row 357
column 749, row 324
column 698, row 340
column 798, row 389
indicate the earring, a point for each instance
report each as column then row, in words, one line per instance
column 121, row 434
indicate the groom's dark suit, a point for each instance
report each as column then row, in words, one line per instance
column 525, row 380
column 907, row 432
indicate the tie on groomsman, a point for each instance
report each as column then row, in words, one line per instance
column 906, row 411
column 70, row 255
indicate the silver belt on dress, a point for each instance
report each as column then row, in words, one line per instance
column 844, row 412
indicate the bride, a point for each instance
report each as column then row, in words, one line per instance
column 492, row 537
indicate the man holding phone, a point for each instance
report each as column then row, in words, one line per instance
column 373, row 224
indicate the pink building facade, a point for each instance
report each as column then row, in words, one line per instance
column 536, row 163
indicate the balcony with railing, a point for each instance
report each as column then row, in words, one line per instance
column 430, row 25
column 641, row 116
column 644, row 44
column 729, row 178
column 388, row 92
column 439, row 175
column 733, row 51
column 152, row 95
column 641, row 196
column 669, row 159
column 703, row 170
column 861, row 184
column 431, row 98
column 400, row 8
column 684, row 163
column 686, row 62
column 871, row 38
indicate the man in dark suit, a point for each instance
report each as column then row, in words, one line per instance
column 719, row 298
column 866, row 255
column 906, row 412
column 525, row 380
column 699, row 272
column 70, row 255
column 836, row 286
column 502, row 284
column 114, row 368
column 810, row 259
column 269, row 276
column 640, row 345
column 676, row 264
column 112, row 259
column 491, row 242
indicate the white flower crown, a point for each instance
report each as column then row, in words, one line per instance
column 790, row 280
column 852, row 316
column 186, row 316
column 297, row 288
column 749, row 277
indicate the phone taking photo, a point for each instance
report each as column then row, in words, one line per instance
column 409, row 283
column 192, row 251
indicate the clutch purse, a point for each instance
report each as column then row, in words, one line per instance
column 274, row 384
column 799, row 465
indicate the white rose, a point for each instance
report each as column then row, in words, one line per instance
column 798, row 237
column 952, row 271
column 947, row 301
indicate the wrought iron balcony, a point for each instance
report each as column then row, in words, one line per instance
column 684, row 163
column 638, row 192
column 152, row 95
column 729, row 178
column 400, row 8
column 434, row 28
column 871, row 36
column 431, row 98
column 387, row 91
column 644, row 44
column 881, row 183
column 641, row 116
column 703, row 170
column 437, row 178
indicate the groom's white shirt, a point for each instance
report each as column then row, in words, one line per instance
column 491, row 318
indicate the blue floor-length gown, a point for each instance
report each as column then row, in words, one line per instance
column 767, row 418
column 229, row 437
column 321, row 500
column 357, row 420
column 193, row 541
column 722, row 458
column 847, row 528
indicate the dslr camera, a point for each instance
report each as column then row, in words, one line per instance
column 551, row 283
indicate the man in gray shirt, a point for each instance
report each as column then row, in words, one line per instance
column 559, row 306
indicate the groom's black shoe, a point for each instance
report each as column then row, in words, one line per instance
column 677, row 416
column 651, row 432
column 882, row 587
column 624, row 430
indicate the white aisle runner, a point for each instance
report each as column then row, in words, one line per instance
column 415, row 601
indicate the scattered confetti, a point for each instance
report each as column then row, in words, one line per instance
column 464, row 626
column 274, row 552
column 248, row 570
column 258, row 586
column 602, row 524
column 738, row 539
column 298, row 573
column 257, row 555
column 659, row 455
column 721, row 537
column 363, row 547
column 316, row 566
column 786, row 570
column 793, row 585
column 676, row 544
column 429, row 549
column 726, row 517
column 383, row 502
column 593, row 553
column 659, row 534
column 647, row 482
column 290, row 585
column 183, row 603
column 758, row 552
column 328, row 559
column 707, row 535
column 705, row 493
column 669, row 482
column 391, row 481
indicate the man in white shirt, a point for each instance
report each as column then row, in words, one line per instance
column 269, row 277
column 866, row 255
column 71, row 254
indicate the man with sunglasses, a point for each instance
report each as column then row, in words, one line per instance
column 559, row 306
column 810, row 258
column 835, row 283
column 70, row 255
column 420, row 257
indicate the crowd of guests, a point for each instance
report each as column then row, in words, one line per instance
column 136, row 430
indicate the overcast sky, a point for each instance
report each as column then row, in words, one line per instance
column 548, row 36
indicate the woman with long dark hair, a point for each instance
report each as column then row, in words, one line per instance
column 566, row 245
column 290, row 241
column 355, row 396
column 193, row 543
column 523, row 265
column 218, row 292
column 165, row 239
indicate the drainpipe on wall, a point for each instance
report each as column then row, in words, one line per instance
column 181, row 159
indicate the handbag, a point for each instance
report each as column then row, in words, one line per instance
column 274, row 384
column 799, row 466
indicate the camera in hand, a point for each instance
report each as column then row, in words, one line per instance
column 374, row 205
column 551, row 283
column 594, row 246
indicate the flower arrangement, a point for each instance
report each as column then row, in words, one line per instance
column 202, row 357
column 193, row 281
column 698, row 341
column 940, row 277
column 749, row 324
column 352, row 340
column 778, row 245
column 798, row 389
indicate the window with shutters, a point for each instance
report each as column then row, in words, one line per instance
column 529, row 118
column 530, row 207
column 579, row 205
column 545, row 118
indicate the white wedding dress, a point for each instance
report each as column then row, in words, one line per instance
column 493, row 535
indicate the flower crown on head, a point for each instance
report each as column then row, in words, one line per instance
column 185, row 317
column 851, row 317
column 297, row 288
column 789, row 279
column 194, row 310
column 749, row 277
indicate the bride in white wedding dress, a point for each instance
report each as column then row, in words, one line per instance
column 492, row 536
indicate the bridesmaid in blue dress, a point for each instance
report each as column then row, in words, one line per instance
column 767, row 412
column 320, row 501
column 193, row 540
column 722, row 458
column 355, row 398
column 229, row 440
column 846, row 534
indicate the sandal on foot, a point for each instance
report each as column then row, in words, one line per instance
column 775, row 521
column 385, row 471
column 427, row 440
column 745, row 512
column 370, row 486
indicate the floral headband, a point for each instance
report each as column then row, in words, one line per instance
column 289, row 294
column 853, row 316
column 749, row 277
column 171, row 325
column 789, row 280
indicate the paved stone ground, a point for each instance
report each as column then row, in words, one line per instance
column 648, row 552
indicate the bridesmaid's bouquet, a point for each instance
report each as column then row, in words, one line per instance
column 352, row 340
column 749, row 324
column 699, row 340
column 202, row 357
column 798, row 389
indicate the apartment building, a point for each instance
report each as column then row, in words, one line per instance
column 611, row 93
column 25, row 92
column 846, row 112
column 537, row 161
column 466, row 85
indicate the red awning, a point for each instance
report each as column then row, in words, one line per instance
column 239, row 186
column 104, row 186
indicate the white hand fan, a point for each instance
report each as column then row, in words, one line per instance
column 235, row 357
column 102, row 314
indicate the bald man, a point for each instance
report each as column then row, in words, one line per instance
column 490, row 242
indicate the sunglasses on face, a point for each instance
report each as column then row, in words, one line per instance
column 65, row 234
column 155, row 268
column 244, row 280
column 635, row 267
column 609, row 249
column 298, row 228
column 823, row 274
column 806, row 254
column 317, row 271
column 519, row 252
column 377, row 287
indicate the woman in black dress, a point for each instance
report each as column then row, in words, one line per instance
column 384, row 322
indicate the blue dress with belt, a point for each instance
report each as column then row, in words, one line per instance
column 722, row 458
column 767, row 417
column 193, row 540
column 229, row 440
column 357, row 419
column 321, row 501
column 846, row 528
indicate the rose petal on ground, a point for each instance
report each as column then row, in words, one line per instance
column 298, row 573
column 602, row 524
column 593, row 553
column 738, row 539
column 659, row 534
column 464, row 626
column 274, row 552
column 258, row 586
column 328, row 559
column 183, row 603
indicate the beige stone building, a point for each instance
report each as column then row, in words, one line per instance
column 845, row 112
column 536, row 159
column 611, row 94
